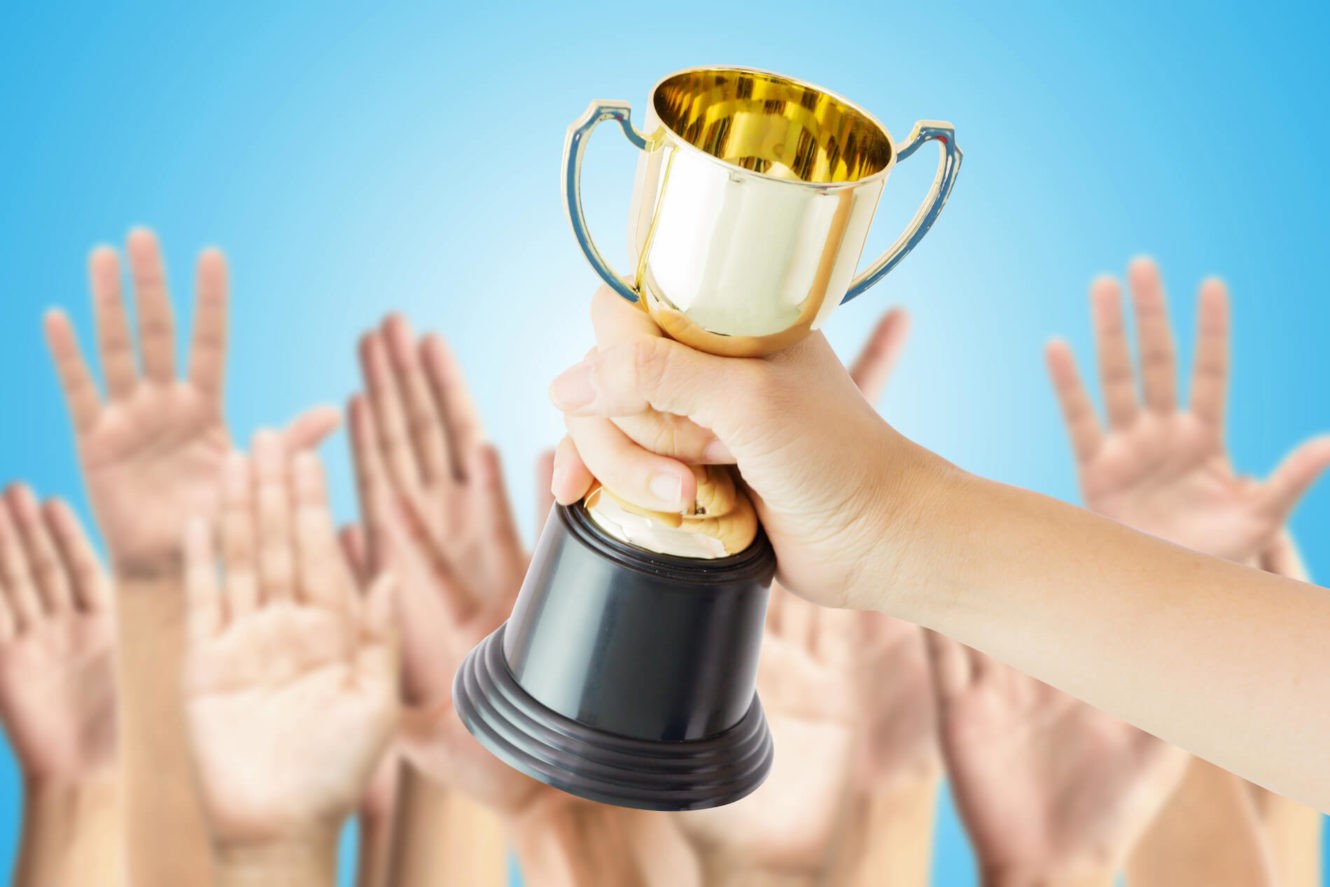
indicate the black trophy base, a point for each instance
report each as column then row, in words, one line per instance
column 600, row 766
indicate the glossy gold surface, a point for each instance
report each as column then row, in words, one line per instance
column 753, row 200
column 771, row 124
column 723, row 522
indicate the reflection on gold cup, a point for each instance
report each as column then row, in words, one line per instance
column 753, row 200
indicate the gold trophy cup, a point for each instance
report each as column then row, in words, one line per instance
column 626, row 672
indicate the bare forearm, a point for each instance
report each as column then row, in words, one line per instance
column 70, row 835
column 1222, row 660
column 892, row 839
column 440, row 838
column 1207, row 833
column 165, row 832
column 300, row 862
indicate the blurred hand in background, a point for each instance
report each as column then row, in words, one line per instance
column 152, row 450
column 57, row 692
column 1165, row 469
column 290, row 675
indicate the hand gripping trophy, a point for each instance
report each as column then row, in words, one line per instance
column 626, row 672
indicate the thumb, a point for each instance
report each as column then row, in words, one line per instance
column 310, row 428
column 1299, row 470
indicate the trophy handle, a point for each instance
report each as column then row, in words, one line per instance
column 949, row 163
column 574, row 147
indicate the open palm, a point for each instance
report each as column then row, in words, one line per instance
column 436, row 509
column 1047, row 786
column 57, row 676
column 1160, row 468
column 152, row 451
column 290, row 677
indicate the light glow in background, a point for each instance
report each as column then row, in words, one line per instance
column 355, row 159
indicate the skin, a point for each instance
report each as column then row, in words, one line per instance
column 435, row 509
column 1164, row 469
column 1050, row 789
column 151, row 447
column 1214, row 657
column 290, row 672
column 57, row 692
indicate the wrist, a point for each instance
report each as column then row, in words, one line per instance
column 910, row 494
column 71, row 797
column 308, row 858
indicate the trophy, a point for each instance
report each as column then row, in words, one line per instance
column 626, row 673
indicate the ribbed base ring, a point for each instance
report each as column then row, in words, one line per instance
column 599, row 766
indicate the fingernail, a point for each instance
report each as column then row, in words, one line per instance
column 717, row 453
column 668, row 488
column 574, row 388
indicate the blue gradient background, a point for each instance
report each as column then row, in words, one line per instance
column 351, row 161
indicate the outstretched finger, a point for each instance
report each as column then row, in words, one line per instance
column 310, row 428
column 237, row 537
column 15, row 581
column 1159, row 371
column 1294, row 476
column 202, row 593
column 1077, row 411
column 1115, row 374
column 422, row 419
column 1209, row 380
column 394, row 440
column 272, row 498
column 463, row 430
column 44, row 564
column 156, row 319
column 115, row 343
column 207, row 351
column 81, row 396
column 326, row 578
column 92, row 591
column 872, row 368
column 372, row 489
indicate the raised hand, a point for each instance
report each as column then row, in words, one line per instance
column 152, row 450
column 290, row 670
column 1051, row 790
column 57, row 675
column 806, row 682
column 57, row 692
column 435, row 508
column 1159, row 467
